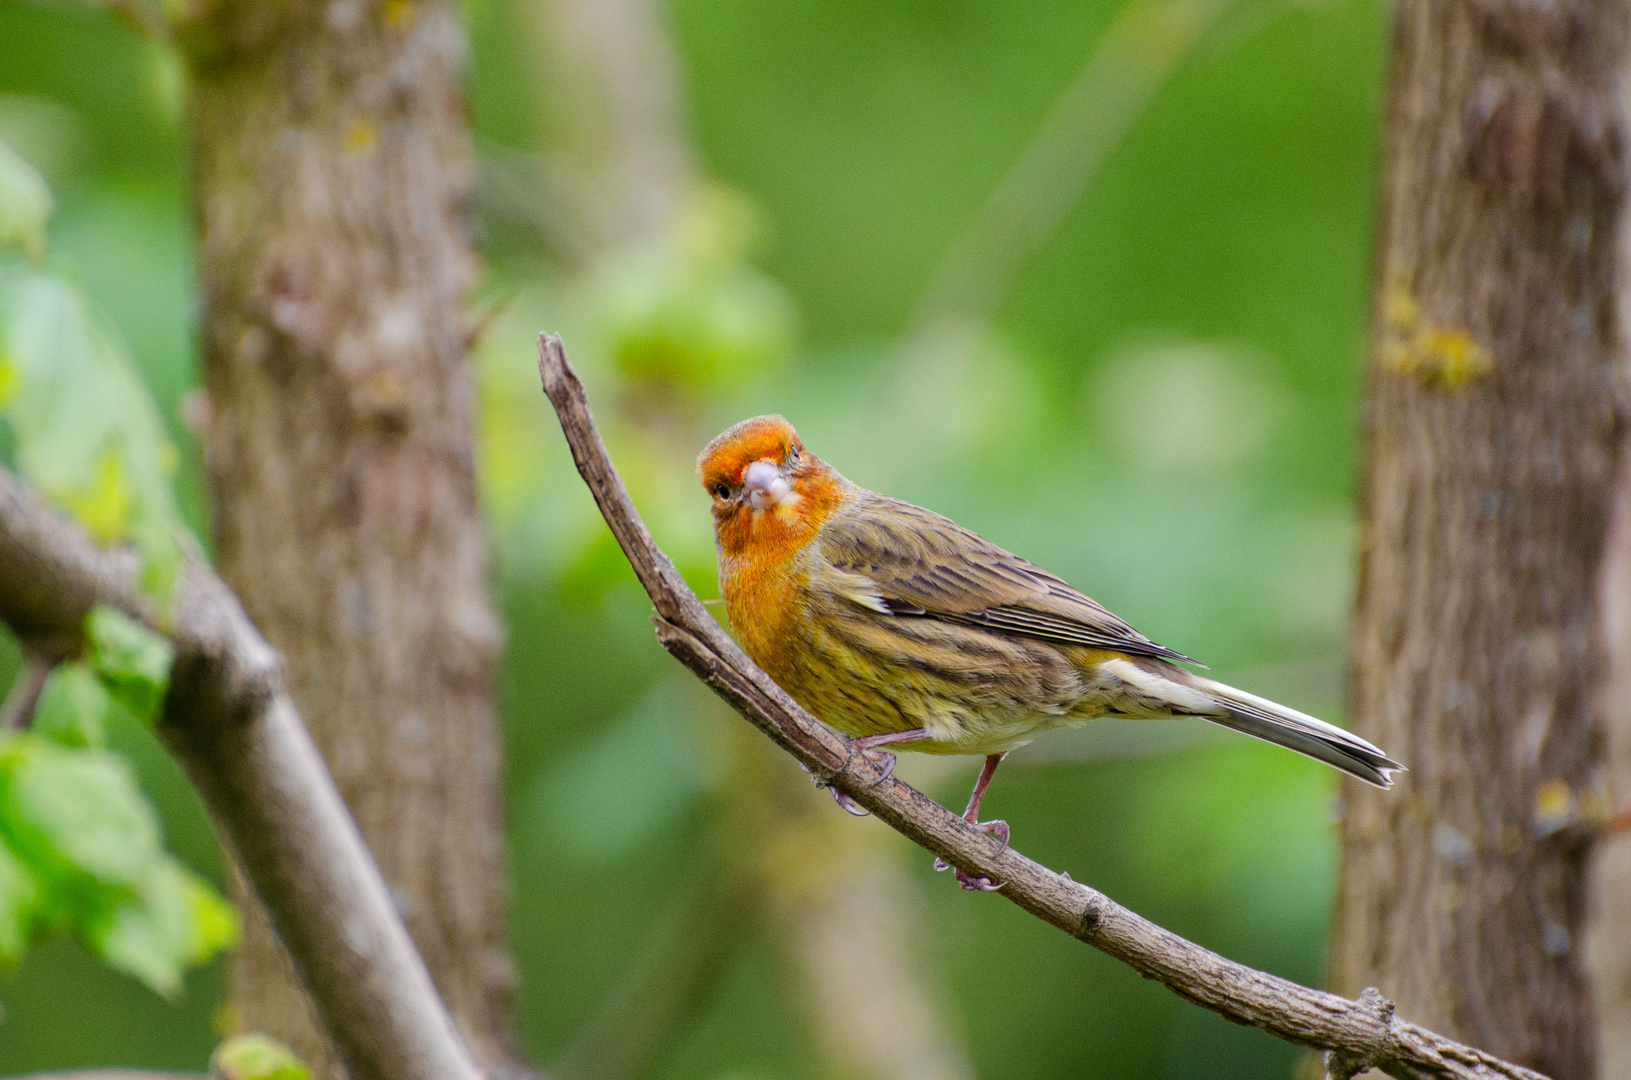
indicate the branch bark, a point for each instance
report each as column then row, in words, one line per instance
column 1359, row 1034
column 231, row 724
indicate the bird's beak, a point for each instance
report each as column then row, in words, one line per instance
column 766, row 485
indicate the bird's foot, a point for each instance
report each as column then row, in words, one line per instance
column 881, row 758
column 884, row 760
column 975, row 882
column 996, row 827
column 971, row 882
column 849, row 804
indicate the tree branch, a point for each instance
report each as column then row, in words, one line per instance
column 231, row 724
column 1359, row 1034
column 25, row 692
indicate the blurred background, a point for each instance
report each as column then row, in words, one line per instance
column 1090, row 279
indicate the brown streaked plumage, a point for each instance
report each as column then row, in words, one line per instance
column 895, row 625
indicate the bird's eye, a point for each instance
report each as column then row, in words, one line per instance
column 792, row 457
column 722, row 491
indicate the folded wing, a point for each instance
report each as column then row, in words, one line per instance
column 912, row 562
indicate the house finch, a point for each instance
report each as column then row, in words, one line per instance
column 896, row 626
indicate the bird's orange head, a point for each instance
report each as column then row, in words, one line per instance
column 770, row 494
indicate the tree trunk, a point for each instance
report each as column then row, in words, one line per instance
column 1493, row 432
column 332, row 169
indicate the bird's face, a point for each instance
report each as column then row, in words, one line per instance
column 768, row 491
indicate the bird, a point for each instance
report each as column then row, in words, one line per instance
column 898, row 627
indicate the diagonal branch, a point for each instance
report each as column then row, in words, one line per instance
column 231, row 724
column 1359, row 1034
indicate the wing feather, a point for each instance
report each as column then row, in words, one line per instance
column 922, row 565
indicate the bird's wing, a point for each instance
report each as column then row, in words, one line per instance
column 911, row 562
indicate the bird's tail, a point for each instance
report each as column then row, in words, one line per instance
column 1297, row 731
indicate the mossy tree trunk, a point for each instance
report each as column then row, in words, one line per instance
column 332, row 171
column 1493, row 431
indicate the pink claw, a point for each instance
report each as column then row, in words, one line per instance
column 977, row 884
column 849, row 804
column 886, row 761
column 971, row 882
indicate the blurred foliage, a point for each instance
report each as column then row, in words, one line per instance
column 256, row 1057
column 686, row 311
column 80, row 849
column 84, row 427
column 1164, row 413
column 25, row 204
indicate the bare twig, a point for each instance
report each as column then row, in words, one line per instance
column 1359, row 1034
column 25, row 692
column 232, row 726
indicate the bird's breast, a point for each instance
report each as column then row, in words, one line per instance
column 763, row 598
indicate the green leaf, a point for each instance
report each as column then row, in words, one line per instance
column 79, row 853
column 132, row 661
column 75, row 707
column 141, row 936
column 212, row 923
column 77, row 811
column 87, row 431
column 20, row 896
column 25, row 204
column 256, row 1057
column 172, row 921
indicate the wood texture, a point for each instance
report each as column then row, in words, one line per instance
column 230, row 723
column 332, row 169
column 1359, row 1034
column 1493, row 428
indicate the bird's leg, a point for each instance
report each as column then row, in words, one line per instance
column 997, row 828
column 971, row 815
column 865, row 744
